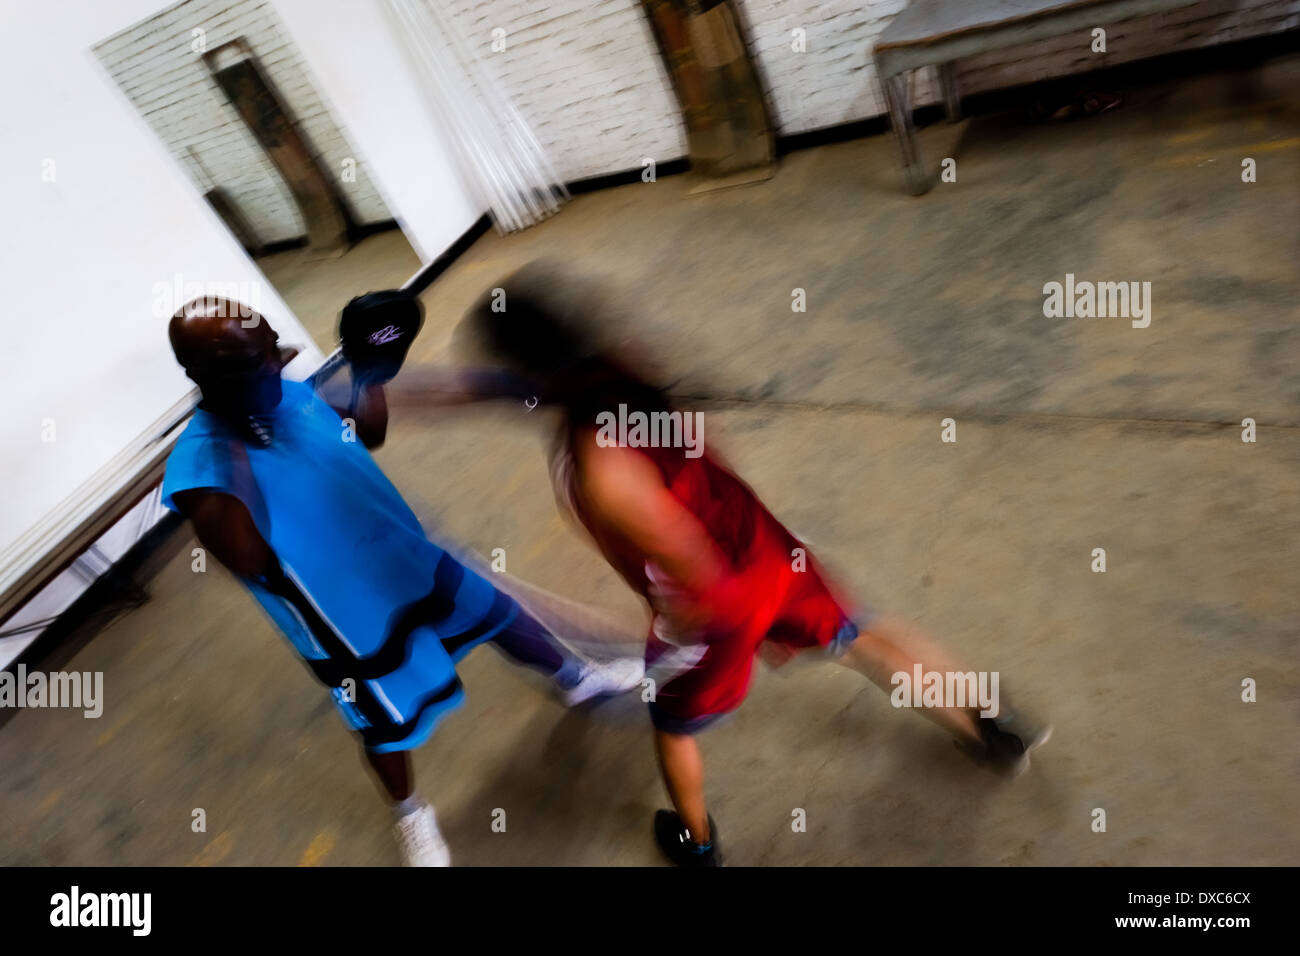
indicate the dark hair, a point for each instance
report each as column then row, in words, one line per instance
column 542, row 329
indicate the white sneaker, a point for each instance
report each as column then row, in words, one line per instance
column 419, row 840
column 603, row 678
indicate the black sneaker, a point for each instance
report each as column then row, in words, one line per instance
column 1007, row 745
column 675, row 840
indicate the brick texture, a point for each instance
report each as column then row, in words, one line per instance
column 586, row 76
column 154, row 65
column 834, row 81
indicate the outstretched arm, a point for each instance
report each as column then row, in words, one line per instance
column 424, row 385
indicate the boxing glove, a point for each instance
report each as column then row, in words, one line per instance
column 376, row 331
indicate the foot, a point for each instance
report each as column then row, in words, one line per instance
column 675, row 840
column 1008, row 742
column 604, row 678
column 419, row 840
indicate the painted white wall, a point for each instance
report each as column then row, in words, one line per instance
column 361, row 69
column 87, row 261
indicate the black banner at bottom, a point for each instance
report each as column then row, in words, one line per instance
column 356, row 905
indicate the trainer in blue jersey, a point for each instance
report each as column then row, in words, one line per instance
column 281, row 489
column 393, row 609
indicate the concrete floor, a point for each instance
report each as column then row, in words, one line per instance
column 1072, row 434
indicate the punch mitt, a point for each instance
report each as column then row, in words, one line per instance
column 376, row 331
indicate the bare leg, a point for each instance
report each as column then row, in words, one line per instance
column 683, row 770
column 418, row 837
column 891, row 646
column 393, row 771
column 528, row 642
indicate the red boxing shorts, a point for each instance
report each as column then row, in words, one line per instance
column 787, row 605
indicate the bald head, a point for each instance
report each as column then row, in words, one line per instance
column 212, row 331
column 231, row 353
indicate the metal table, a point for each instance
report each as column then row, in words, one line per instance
column 939, row 32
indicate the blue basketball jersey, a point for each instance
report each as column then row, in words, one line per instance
column 375, row 608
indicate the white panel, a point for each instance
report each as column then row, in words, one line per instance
column 361, row 70
column 89, row 262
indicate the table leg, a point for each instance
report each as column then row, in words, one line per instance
column 951, row 97
column 898, row 99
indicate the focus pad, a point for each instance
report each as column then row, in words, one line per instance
column 376, row 331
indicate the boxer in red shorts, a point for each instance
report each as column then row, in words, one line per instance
column 723, row 578
column 768, row 588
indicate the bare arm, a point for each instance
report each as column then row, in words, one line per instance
column 628, row 495
column 456, row 385
column 421, row 387
column 369, row 409
column 225, row 528
column 370, row 412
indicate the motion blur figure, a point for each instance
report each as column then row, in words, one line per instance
column 280, row 490
column 720, row 574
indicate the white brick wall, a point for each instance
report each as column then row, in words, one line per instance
column 834, row 81
column 154, row 65
column 585, row 75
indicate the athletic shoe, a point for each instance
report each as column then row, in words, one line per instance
column 604, row 678
column 1008, row 742
column 419, row 840
column 675, row 840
